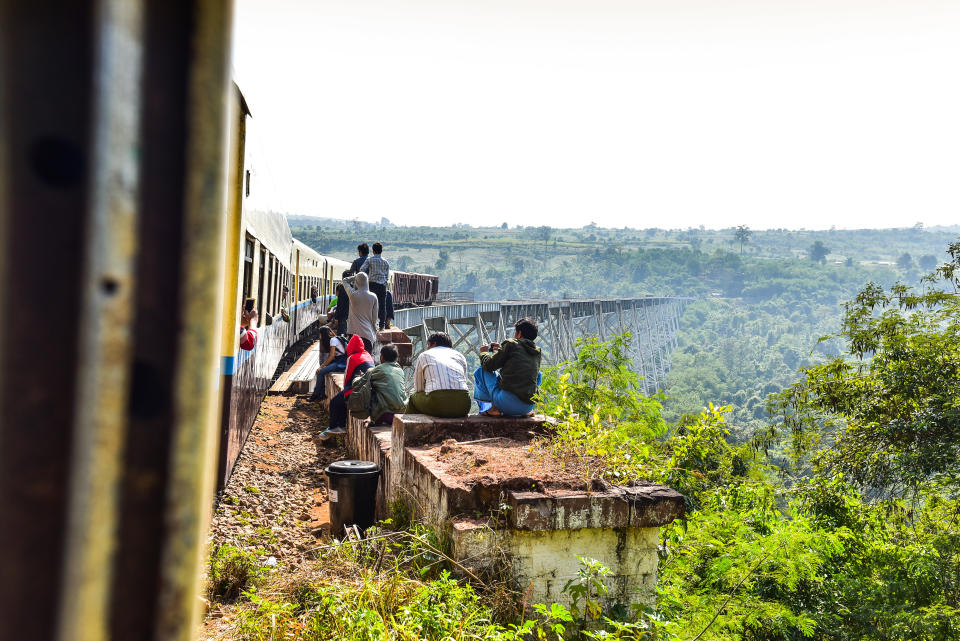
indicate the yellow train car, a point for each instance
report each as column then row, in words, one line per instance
column 290, row 284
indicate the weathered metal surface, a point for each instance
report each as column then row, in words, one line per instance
column 111, row 221
column 46, row 100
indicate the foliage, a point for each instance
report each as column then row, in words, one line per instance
column 818, row 252
column 891, row 405
column 230, row 572
column 742, row 235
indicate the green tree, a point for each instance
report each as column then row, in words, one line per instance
column 818, row 252
column 742, row 235
column 927, row 262
column 905, row 261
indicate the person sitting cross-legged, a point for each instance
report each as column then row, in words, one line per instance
column 509, row 391
column 440, row 380
column 380, row 392
column 358, row 362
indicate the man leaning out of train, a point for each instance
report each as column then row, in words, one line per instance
column 248, row 329
column 440, row 380
column 362, row 319
column 509, row 374
column 358, row 362
column 380, row 392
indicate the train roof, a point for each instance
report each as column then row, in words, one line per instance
column 315, row 255
column 272, row 230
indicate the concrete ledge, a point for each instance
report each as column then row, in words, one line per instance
column 539, row 524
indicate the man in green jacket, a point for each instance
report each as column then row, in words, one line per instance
column 380, row 392
column 510, row 391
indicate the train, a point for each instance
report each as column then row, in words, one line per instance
column 291, row 285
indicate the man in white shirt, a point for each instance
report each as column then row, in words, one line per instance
column 440, row 380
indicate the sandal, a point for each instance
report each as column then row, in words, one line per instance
column 493, row 411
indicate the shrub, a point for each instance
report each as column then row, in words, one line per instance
column 231, row 572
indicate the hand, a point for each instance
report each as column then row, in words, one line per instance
column 484, row 348
column 494, row 347
column 248, row 319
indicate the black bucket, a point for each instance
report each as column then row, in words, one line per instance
column 353, row 495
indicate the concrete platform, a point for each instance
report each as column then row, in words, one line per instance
column 302, row 375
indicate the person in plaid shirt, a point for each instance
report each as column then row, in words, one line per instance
column 379, row 271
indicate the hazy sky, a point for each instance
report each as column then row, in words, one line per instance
column 667, row 113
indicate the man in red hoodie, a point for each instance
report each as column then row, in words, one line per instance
column 358, row 362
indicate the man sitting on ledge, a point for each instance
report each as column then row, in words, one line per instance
column 510, row 391
column 380, row 391
column 440, row 380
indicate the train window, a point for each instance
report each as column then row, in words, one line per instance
column 263, row 260
column 248, row 182
column 275, row 279
column 247, row 269
column 270, row 286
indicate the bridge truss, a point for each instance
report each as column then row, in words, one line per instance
column 653, row 322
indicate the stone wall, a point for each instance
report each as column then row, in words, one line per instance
column 534, row 530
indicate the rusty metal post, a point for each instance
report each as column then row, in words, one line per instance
column 111, row 236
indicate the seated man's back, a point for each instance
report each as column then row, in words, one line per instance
column 381, row 391
column 440, row 380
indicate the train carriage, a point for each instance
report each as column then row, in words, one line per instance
column 290, row 283
column 265, row 263
column 411, row 289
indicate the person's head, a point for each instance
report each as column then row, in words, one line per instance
column 363, row 281
column 388, row 353
column 439, row 339
column 363, row 249
column 358, row 344
column 526, row 328
column 326, row 333
column 377, row 248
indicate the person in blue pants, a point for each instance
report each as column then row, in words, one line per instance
column 509, row 374
column 336, row 361
column 493, row 400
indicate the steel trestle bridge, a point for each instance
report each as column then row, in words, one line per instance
column 653, row 322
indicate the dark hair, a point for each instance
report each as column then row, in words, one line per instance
column 440, row 339
column 363, row 248
column 527, row 328
column 388, row 353
column 326, row 333
column 377, row 248
column 346, row 274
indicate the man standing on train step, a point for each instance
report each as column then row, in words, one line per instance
column 379, row 271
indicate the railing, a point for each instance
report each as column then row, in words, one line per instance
column 446, row 297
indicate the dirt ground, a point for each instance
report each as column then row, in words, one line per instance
column 275, row 502
column 493, row 461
